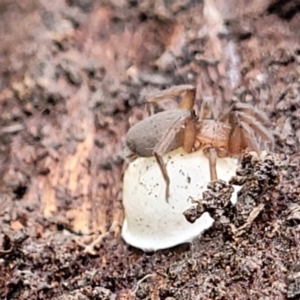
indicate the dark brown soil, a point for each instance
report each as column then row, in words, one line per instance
column 71, row 75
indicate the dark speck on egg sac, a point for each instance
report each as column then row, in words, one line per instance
column 188, row 179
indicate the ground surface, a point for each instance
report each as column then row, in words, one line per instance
column 71, row 74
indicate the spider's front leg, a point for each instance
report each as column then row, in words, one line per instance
column 211, row 153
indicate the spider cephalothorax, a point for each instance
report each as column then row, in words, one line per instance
column 238, row 128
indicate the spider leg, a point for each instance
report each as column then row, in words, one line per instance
column 189, row 135
column 257, row 127
column 245, row 109
column 241, row 137
column 188, row 99
column 206, row 111
column 235, row 140
column 163, row 146
column 249, row 141
column 224, row 117
column 185, row 91
column 212, row 158
column 248, row 109
column 211, row 154
column 164, row 172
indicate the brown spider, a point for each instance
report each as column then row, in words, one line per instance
column 218, row 135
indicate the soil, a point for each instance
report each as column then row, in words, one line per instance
column 72, row 73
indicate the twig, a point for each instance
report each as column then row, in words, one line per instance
column 140, row 281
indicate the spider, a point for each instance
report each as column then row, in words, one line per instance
column 218, row 134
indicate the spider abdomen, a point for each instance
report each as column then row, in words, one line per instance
column 144, row 136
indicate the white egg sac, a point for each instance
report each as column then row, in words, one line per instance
column 151, row 223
